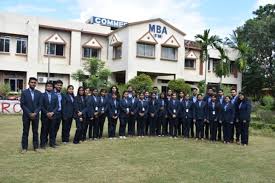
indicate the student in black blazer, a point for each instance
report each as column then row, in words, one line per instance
column 113, row 90
column 79, row 114
column 103, row 109
column 193, row 99
column 213, row 117
column 147, row 122
column 86, row 124
column 221, row 102
column 30, row 103
column 92, row 113
column 180, row 117
column 243, row 117
column 168, row 99
column 49, row 108
column 67, row 113
column 173, row 111
column 187, row 113
column 153, row 113
column 228, row 115
column 113, row 113
column 162, row 115
column 199, row 116
column 142, row 112
column 237, row 131
column 125, row 105
column 133, row 114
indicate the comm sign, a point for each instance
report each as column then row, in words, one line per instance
column 107, row 22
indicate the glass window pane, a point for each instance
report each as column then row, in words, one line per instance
column 19, row 85
column 24, row 46
column 95, row 53
column 59, row 50
column 86, row 52
column 18, row 46
column 2, row 45
column 12, row 84
column 7, row 45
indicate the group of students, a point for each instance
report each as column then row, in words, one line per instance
column 214, row 116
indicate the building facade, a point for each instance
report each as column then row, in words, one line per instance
column 32, row 46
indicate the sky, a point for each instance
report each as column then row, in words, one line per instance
column 191, row 16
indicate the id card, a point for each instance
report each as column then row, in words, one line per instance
column 102, row 109
column 214, row 112
column 174, row 111
column 96, row 108
column 127, row 109
column 187, row 110
column 115, row 111
column 143, row 109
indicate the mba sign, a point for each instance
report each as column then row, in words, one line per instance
column 107, row 22
column 157, row 30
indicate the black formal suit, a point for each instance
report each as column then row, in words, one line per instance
column 30, row 104
column 237, row 130
column 113, row 113
column 48, row 124
column 180, row 118
column 92, row 109
column 79, row 106
column 142, row 115
column 199, row 114
column 125, row 106
column 58, row 115
column 243, row 116
column 133, row 115
column 187, row 113
column 213, row 118
column 161, row 121
column 68, row 114
column 103, row 109
column 173, row 111
column 153, row 115
column 228, row 116
column 221, row 101
column 193, row 99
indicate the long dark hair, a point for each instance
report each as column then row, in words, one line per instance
column 79, row 88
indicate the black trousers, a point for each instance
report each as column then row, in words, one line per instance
column 206, row 130
column 227, row 131
column 66, row 128
column 123, row 121
column 173, row 122
column 158, row 125
column 213, row 129
column 219, row 131
column 164, row 125
column 147, row 123
column 58, row 119
column 85, row 127
column 186, row 127
column 79, row 130
column 141, row 125
column 131, row 125
column 236, row 130
column 93, row 128
column 180, row 126
column 199, row 128
column 47, row 130
column 112, row 127
column 192, row 129
column 244, row 132
column 153, row 125
column 26, row 128
column 101, row 121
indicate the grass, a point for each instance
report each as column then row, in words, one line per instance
column 135, row 160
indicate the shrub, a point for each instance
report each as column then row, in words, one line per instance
column 141, row 83
column 179, row 85
column 268, row 101
column 266, row 116
column 4, row 90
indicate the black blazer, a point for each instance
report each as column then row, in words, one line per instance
column 154, row 108
column 29, row 106
column 228, row 113
column 141, row 106
column 173, row 108
column 79, row 106
column 113, row 110
column 244, row 111
column 187, row 109
column 162, row 107
column 123, row 107
column 199, row 112
column 67, row 107
column 47, row 106
column 92, row 103
column 103, row 105
column 214, row 114
column 133, row 103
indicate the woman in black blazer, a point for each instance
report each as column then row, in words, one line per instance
column 79, row 114
column 228, row 114
column 243, row 117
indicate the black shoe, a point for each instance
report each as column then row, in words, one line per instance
column 53, row 146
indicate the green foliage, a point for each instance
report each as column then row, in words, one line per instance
column 97, row 76
column 222, row 68
column 4, row 90
column 179, row 85
column 226, row 90
column 265, row 115
column 141, row 83
column 268, row 102
column 64, row 90
column 201, row 86
column 121, row 88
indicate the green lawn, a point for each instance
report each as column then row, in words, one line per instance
column 135, row 160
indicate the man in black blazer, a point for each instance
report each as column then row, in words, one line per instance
column 199, row 116
column 31, row 106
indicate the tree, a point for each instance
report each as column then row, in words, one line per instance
column 179, row 85
column 97, row 76
column 222, row 68
column 206, row 41
column 258, row 34
column 141, row 83
column 4, row 90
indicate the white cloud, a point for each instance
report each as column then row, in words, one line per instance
column 263, row 2
column 23, row 8
column 184, row 14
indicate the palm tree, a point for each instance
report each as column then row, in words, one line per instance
column 206, row 41
column 243, row 50
column 222, row 68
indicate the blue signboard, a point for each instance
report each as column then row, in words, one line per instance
column 157, row 30
column 107, row 22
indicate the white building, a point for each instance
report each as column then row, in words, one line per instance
column 154, row 47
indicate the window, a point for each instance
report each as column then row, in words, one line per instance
column 231, row 67
column 117, row 52
column 209, row 64
column 215, row 63
column 169, row 53
column 55, row 49
column 5, row 44
column 90, row 52
column 190, row 63
column 145, row 50
column 21, row 45
column 16, row 85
